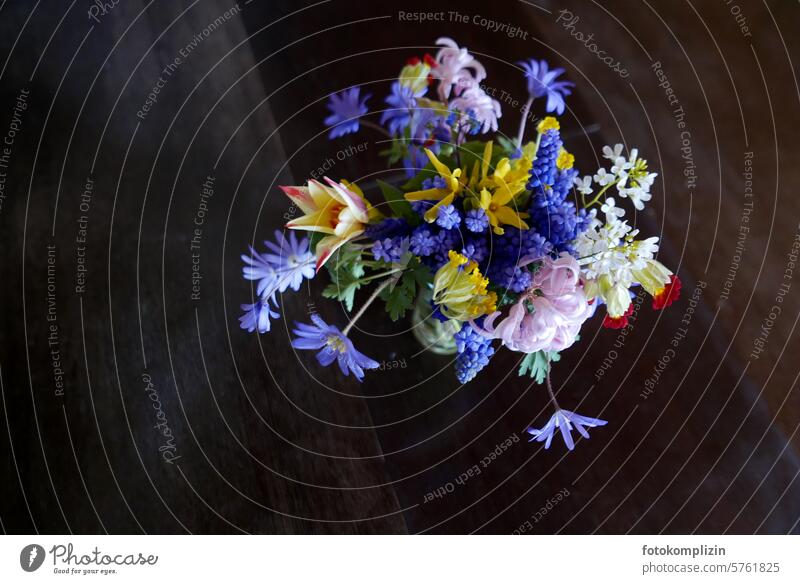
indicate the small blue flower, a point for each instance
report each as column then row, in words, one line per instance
column 477, row 221
column 448, row 217
column 390, row 249
column 346, row 108
column 334, row 347
column 543, row 171
column 422, row 242
column 436, row 182
column 257, row 316
column 402, row 100
column 421, row 207
column 564, row 420
column 542, row 82
column 474, row 352
column 476, row 249
column 510, row 276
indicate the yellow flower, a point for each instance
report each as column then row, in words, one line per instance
column 614, row 294
column 564, row 160
column 339, row 210
column 497, row 190
column 415, row 76
column 548, row 123
column 653, row 276
column 459, row 289
column 499, row 214
column 444, row 196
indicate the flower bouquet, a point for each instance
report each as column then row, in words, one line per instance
column 492, row 243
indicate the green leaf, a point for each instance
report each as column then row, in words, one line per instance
column 344, row 293
column 394, row 196
column 400, row 297
column 346, row 268
column 536, row 364
column 506, row 146
column 415, row 184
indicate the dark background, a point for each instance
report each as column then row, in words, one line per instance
column 269, row 442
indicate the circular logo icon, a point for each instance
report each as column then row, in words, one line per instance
column 31, row 557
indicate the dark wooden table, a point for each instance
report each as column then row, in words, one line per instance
column 132, row 403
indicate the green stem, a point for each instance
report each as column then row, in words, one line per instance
column 366, row 304
column 600, row 194
column 374, row 126
column 381, row 275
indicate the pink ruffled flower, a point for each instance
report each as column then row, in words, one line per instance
column 455, row 66
column 556, row 316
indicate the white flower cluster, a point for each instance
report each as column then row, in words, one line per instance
column 611, row 258
column 629, row 176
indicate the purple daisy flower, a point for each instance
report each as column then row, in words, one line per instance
column 542, row 82
column 335, row 347
column 346, row 107
column 564, row 420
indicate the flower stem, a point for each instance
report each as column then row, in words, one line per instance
column 525, row 109
column 382, row 274
column 600, row 194
column 374, row 126
column 550, row 387
column 366, row 304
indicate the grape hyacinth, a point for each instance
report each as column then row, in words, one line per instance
column 543, row 172
column 448, row 217
column 474, row 352
column 422, row 242
column 476, row 220
column 389, row 249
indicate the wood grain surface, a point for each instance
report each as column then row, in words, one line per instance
column 133, row 403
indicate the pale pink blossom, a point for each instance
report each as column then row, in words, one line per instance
column 547, row 317
column 483, row 109
column 455, row 66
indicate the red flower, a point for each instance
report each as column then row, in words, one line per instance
column 413, row 61
column 620, row 321
column 430, row 61
column 668, row 294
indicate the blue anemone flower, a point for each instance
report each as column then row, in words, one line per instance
column 564, row 420
column 542, row 82
column 257, row 316
column 288, row 262
column 403, row 100
column 346, row 107
column 334, row 345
